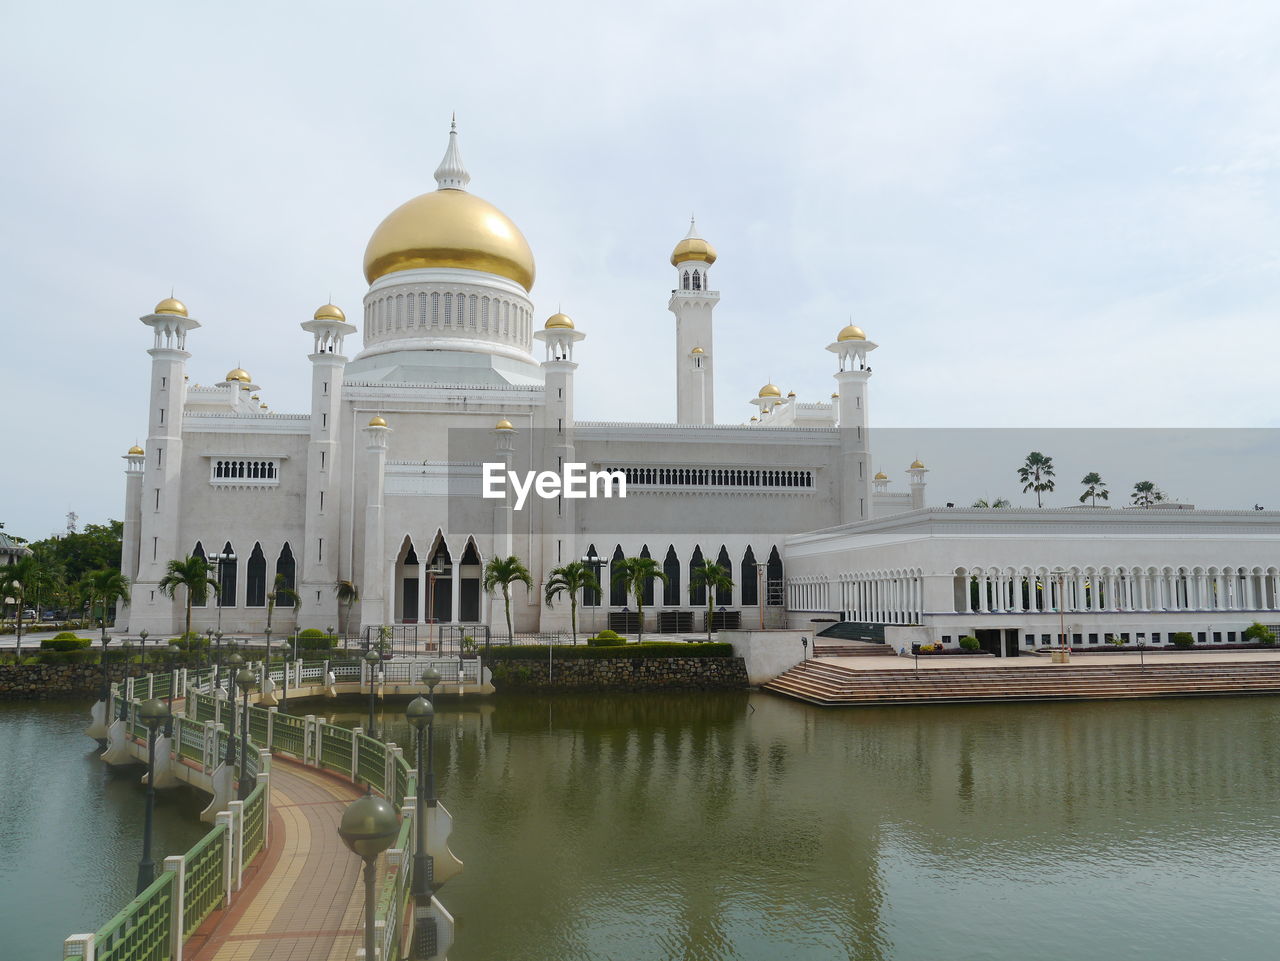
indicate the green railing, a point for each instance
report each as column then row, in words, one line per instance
column 202, row 891
column 143, row 930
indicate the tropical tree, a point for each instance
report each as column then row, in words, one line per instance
column 105, row 588
column 192, row 573
column 998, row 502
column 505, row 571
column 571, row 579
column 713, row 578
column 1036, row 474
column 347, row 594
column 1094, row 487
column 280, row 591
column 1145, row 494
column 636, row 573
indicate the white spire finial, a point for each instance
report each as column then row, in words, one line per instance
column 451, row 174
column 693, row 230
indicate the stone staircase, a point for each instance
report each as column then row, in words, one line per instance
column 852, row 649
column 819, row 682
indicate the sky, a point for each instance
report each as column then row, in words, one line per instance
column 1047, row 216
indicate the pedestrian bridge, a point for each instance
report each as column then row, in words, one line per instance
column 272, row 878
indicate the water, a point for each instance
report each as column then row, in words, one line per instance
column 71, row 833
column 736, row 826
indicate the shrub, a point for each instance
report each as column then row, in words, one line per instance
column 312, row 632
column 1259, row 633
column 601, row 641
column 65, row 656
column 1183, row 640
column 970, row 643
column 312, row 640
column 66, row 641
column 190, row 642
column 608, row 633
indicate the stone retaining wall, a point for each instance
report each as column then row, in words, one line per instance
column 622, row 674
column 29, row 682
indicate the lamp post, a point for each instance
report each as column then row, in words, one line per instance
column 142, row 636
column 244, row 680
column 17, row 593
column 1061, row 574
column 421, row 715
column 433, row 572
column 283, row 645
column 220, row 559
column 372, row 658
column 208, row 647
column 234, row 663
column 369, row 826
column 152, row 712
column 217, row 657
column 269, row 654
column 172, row 660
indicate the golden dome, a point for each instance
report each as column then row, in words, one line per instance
column 171, row 305
column 916, row 465
column 697, row 350
column 850, row 333
column 330, row 312
column 377, row 421
column 755, row 418
column 135, row 450
column 881, row 475
column 239, row 374
column 558, row 320
column 449, row 228
column 503, row 424
column 770, row 390
column 255, row 397
column 791, row 393
column 693, row 248
column 263, row 406
column 835, row 396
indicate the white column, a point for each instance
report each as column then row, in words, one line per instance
column 422, row 592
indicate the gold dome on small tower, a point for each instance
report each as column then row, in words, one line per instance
column 881, row 475
column 851, row 333
column 136, row 451
column 239, row 374
column 171, row 305
column 916, row 465
column 558, row 320
column 330, row 312
column 697, row 350
column 770, row 390
column 693, row 247
column 504, row 424
column 377, row 421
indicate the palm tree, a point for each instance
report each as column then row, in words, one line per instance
column 1145, row 493
column 193, row 574
column 505, row 571
column 713, row 578
column 1094, row 487
column 636, row 573
column 106, row 587
column 280, row 591
column 347, row 594
column 570, row 579
column 998, row 502
column 1036, row 475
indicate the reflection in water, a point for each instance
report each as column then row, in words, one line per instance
column 721, row 826
column 732, row 826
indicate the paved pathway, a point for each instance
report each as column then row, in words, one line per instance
column 892, row 662
column 305, row 903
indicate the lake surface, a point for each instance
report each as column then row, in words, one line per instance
column 744, row 826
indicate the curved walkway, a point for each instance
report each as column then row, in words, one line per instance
column 306, row 900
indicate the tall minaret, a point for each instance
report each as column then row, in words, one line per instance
column 160, row 517
column 692, row 301
column 319, row 568
column 558, row 515
column 851, row 346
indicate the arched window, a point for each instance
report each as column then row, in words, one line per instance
column 684, row 281
column 724, row 595
column 227, row 570
column 647, row 593
column 286, row 567
column 671, row 590
column 591, row 598
column 697, row 280
column 773, row 577
column 255, row 579
column 198, row 551
column 698, row 596
column 747, row 580
column 617, row 589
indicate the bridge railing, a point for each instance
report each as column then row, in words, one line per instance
column 195, row 884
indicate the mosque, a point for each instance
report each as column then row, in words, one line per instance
column 382, row 483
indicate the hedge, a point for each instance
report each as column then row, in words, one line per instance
column 65, row 642
column 560, row 652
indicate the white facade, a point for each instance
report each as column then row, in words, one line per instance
column 378, row 482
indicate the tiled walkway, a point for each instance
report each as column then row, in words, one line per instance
column 306, row 900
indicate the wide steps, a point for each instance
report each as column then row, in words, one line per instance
column 824, row 683
column 852, row 649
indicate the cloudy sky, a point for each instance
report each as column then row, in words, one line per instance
column 1046, row 215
